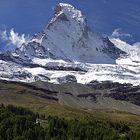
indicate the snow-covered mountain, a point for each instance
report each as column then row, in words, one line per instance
column 68, row 51
column 68, row 37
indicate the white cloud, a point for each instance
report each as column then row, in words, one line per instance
column 118, row 33
column 13, row 38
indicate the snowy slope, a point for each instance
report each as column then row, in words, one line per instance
column 68, row 51
column 126, row 69
column 133, row 51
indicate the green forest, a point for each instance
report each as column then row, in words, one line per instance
column 17, row 123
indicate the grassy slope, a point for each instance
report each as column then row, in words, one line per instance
column 20, row 95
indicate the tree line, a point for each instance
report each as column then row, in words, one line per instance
column 17, row 123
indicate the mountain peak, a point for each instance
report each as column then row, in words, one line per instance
column 67, row 17
column 68, row 37
column 70, row 12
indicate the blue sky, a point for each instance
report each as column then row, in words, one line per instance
column 104, row 16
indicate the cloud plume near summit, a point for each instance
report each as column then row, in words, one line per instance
column 13, row 38
column 121, row 36
column 118, row 33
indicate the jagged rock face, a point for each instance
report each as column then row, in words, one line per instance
column 75, row 41
column 68, row 37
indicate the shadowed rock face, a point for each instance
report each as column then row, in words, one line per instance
column 58, row 9
column 60, row 15
column 111, row 50
column 63, row 17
